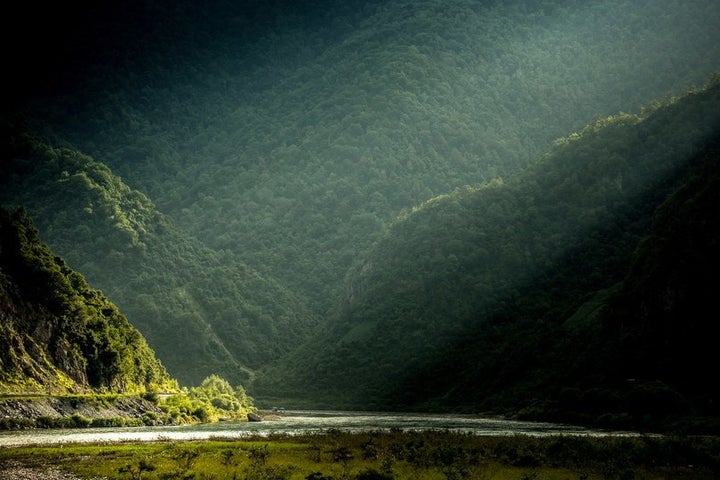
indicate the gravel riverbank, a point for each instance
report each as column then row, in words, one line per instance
column 17, row 471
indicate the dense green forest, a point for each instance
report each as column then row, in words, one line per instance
column 578, row 286
column 362, row 203
column 290, row 135
column 58, row 334
column 203, row 312
column 61, row 337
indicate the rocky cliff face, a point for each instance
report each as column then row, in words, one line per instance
column 58, row 334
column 90, row 407
column 25, row 365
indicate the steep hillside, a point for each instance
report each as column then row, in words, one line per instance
column 637, row 353
column 281, row 139
column 463, row 302
column 289, row 134
column 58, row 334
column 202, row 311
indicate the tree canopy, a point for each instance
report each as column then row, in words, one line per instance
column 59, row 333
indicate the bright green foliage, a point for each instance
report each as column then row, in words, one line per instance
column 218, row 392
column 59, row 333
column 214, row 399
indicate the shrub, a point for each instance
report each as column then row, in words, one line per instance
column 80, row 421
column 9, row 423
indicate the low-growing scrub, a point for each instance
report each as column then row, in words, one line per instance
column 73, row 421
column 395, row 455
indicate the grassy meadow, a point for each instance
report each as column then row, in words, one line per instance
column 386, row 455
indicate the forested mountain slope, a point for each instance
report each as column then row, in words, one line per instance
column 58, row 334
column 281, row 139
column 288, row 135
column 497, row 298
column 635, row 354
column 202, row 311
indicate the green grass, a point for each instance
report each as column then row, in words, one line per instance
column 388, row 455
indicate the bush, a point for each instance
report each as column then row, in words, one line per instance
column 80, row 421
column 47, row 421
column 151, row 397
column 115, row 422
column 16, row 423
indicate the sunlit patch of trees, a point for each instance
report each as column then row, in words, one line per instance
column 214, row 399
column 60, row 332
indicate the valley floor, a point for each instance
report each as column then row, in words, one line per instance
column 396, row 455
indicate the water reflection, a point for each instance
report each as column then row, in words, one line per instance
column 297, row 422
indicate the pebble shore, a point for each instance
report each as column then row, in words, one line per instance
column 18, row 471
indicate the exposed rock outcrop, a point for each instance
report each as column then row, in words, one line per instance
column 24, row 412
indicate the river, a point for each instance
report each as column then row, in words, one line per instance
column 296, row 422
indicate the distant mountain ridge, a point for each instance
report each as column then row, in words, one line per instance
column 58, row 334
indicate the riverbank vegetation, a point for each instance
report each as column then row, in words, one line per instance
column 387, row 455
column 214, row 399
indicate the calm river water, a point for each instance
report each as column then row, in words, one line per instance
column 296, row 422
